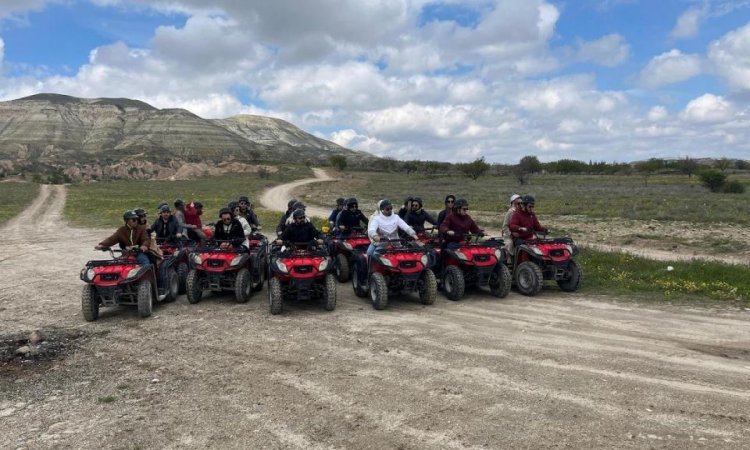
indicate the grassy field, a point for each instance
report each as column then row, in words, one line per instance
column 667, row 197
column 102, row 204
column 619, row 273
column 15, row 197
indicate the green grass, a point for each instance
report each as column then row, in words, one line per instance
column 102, row 204
column 619, row 273
column 668, row 197
column 107, row 399
column 15, row 197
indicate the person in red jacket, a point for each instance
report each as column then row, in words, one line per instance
column 458, row 224
column 524, row 223
column 193, row 212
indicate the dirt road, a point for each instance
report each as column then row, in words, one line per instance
column 277, row 197
column 553, row 371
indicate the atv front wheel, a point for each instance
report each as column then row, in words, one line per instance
column 242, row 286
column 342, row 268
column 173, row 285
column 453, row 283
column 275, row 302
column 378, row 291
column 571, row 283
column 194, row 287
column 500, row 281
column 182, row 273
column 529, row 278
column 145, row 298
column 90, row 303
column 428, row 287
column 261, row 276
column 330, row 292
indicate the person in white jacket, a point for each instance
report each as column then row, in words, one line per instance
column 385, row 226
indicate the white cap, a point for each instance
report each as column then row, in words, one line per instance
column 514, row 197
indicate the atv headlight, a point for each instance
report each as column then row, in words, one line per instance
column 197, row 259
column 347, row 246
column 499, row 255
column 461, row 256
column 87, row 274
column 424, row 260
column 236, row 260
column 133, row 272
column 537, row 251
column 281, row 266
column 323, row 265
column 385, row 261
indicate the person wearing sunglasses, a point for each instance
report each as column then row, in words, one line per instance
column 130, row 236
column 385, row 226
column 229, row 229
column 350, row 217
column 459, row 223
column 515, row 205
column 246, row 208
column 417, row 216
column 450, row 199
column 524, row 223
column 300, row 230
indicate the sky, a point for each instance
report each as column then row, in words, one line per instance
column 607, row 80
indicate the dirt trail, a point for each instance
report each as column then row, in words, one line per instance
column 557, row 370
column 277, row 197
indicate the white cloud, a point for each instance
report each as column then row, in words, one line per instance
column 730, row 58
column 2, row 52
column 688, row 24
column 708, row 108
column 671, row 67
column 657, row 114
column 610, row 50
column 12, row 7
column 351, row 139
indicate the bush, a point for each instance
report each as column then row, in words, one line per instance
column 734, row 187
column 713, row 180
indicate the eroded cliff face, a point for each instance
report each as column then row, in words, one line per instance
column 122, row 138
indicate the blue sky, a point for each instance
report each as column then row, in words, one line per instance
column 613, row 80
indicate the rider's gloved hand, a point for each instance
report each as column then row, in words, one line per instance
column 376, row 238
column 450, row 233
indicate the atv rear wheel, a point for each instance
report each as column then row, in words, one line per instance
column 145, row 298
column 261, row 276
column 330, row 292
column 275, row 302
column 90, row 303
column 360, row 290
column 571, row 283
column 453, row 283
column 173, row 285
column 182, row 273
column 428, row 287
column 242, row 286
column 342, row 268
column 378, row 291
column 529, row 278
column 194, row 287
column 500, row 281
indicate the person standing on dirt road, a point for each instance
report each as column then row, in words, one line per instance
column 450, row 199
column 385, row 226
column 524, row 223
column 130, row 236
column 458, row 224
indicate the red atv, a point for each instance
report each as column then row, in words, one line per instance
column 399, row 266
column 475, row 264
column 542, row 259
column 239, row 270
column 345, row 248
column 123, row 281
column 177, row 252
column 300, row 271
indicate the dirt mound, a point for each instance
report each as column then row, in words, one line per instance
column 27, row 350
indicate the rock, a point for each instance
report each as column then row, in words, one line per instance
column 23, row 350
column 7, row 412
column 36, row 337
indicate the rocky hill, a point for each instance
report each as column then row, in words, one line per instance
column 59, row 131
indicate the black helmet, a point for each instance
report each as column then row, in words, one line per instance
column 298, row 205
column 417, row 200
column 140, row 212
column 233, row 205
column 351, row 202
column 340, row 201
column 385, row 203
column 165, row 208
column 290, row 203
column 129, row 214
column 528, row 199
column 461, row 203
column 179, row 203
column 198, row 204
column 158, row 208
column 298, row 213
column 243, row 198
column 223, row 211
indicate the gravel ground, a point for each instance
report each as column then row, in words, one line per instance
column 557, row 370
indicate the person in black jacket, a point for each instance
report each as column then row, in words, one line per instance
column 300, row 230
column 228, row 229
column 284, row 217
column 350, row 217
column 417, row 216
column 166, row 226
column 405, row 209
column 246, row 209
column 450, row 199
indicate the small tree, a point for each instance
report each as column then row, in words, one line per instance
column 475, row 169
column 741, row 164
column 734, row 187
column 688, row 166
column 410, row 166
column 338, row 162
column 713, row 180
column 723, row 164
column 648, row 168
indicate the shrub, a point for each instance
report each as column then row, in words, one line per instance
column 734, row 187
column 713, row 180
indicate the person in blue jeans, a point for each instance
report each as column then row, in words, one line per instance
column 130, row 236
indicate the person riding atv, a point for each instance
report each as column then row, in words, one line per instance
column 132, row 236
column 300, row 230
column 166, row 226
column 229, row 229
column 524, row 223
column 350, row 217
column 386, row 226
column 458, row 224
column 417, row 216
column 340, row 203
